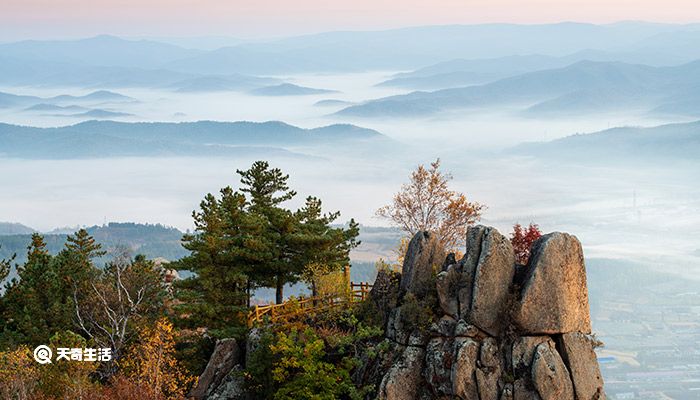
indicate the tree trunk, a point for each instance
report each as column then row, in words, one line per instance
column 279, row 293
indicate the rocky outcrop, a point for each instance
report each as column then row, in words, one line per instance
column 554, row 296
column 500, row 331
column 477, row 328
column 221, row 378
column 424, row 253
column 577, row 351
column 400, row 382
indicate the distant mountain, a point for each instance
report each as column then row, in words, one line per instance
column 219, row 83
column 673, row 142
column 98, row 96
column 579, row 88
column 100, row 114
column 108, row 61
column 54, row 108
column 147, row 239
column 333, row 103
column 462, row 72
column 97, row 139
column 10, row 228
column 415, row 47
column 101, row 50
column 9, row 100
column 288, row 89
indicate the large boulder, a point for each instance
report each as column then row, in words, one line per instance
column 522, row 355
column 231, row 388
column 447, row 286
column 478, row 287
column 423, row 256
column 403, row 380
column 464, row 385
column 577, row 352
column 554, row 294
column 523, row 351
column 493, row 277
column 225, row 357
column 549, row 374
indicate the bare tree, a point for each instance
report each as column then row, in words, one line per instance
column 117, row 301
column 426, row 203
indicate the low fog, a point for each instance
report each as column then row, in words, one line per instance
column 633, row 211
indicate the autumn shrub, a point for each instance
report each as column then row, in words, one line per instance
column 151, row 363
column 522, row 239
column 416, row 313
column 123, row 388
column 67, row 379
column 301, row 372
column 19, row 374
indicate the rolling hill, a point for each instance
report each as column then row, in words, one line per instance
column 103, row 50
column 12, row 228
column 585, row 86
column 288, row 89
column 9, row 100
column 672, row 142
column 98, row 139
column 415, row 47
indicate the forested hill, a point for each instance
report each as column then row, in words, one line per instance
column 147, row 239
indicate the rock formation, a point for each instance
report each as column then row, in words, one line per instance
column 500, row 331
column 221, row 379
column 478, row 328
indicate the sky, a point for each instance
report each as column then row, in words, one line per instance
column 42, row 19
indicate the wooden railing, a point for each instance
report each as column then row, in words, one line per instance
column 275, row 313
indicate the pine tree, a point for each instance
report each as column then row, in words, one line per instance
column 216, row 297
column 40, row 302
column 6, row 266
column 246, row 239
column 267, row 189
column 323, row 249
column 84, row 245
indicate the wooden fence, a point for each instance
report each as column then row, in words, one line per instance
column 307, row 305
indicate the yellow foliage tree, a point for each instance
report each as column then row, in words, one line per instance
column 18, row 374
column 426, row 203
column 151, row 362
column 63, row 379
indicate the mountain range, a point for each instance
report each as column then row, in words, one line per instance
column 35, row 103
column 109, row 61
column 670, row 143
column 97, row 139
column 580, row 88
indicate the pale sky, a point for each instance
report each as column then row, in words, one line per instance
column 263, row 18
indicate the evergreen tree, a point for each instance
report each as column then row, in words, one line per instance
column 34, row 306
column 216, row 297
column 84, row 245
column 6, row 266
column 39, row 302
column 323, row 249
column 246, row 239
column 278, row 263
